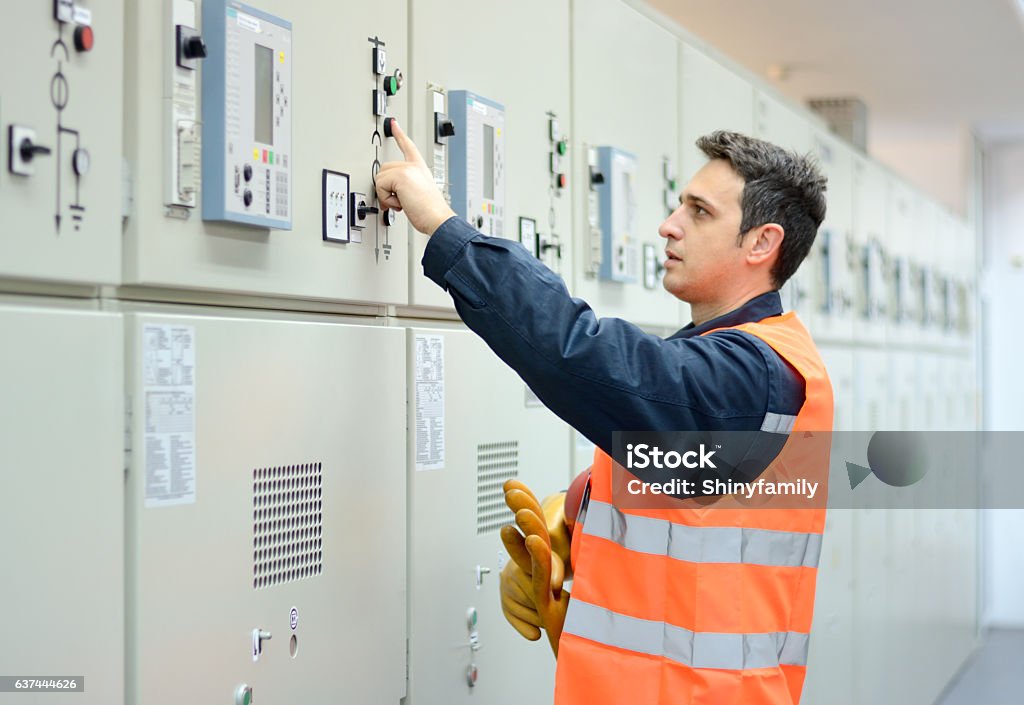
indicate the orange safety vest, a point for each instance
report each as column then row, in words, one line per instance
column 709, row 605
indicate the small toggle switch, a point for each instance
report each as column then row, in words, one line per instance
column 23, row 150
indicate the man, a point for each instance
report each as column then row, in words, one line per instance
column 668, row 605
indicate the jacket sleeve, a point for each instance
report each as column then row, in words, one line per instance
column 600, row 375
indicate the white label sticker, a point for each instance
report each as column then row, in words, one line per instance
column 248, row 22
column 438, row 102
column 429, row 363
column 169, row 393
column 479, row 107
column 81, row 15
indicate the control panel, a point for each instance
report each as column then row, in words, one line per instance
column 247, row 116
column 61, row 141
column 477, row 168
column 620, row 257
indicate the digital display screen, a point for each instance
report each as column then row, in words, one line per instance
column 263, row 109
column 489, row 162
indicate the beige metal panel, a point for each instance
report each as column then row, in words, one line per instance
column 333, row 128
column 779, row 123
column 517, row 55
column 491, row 432
column 826, row 275
column 711, row 97
column 625, row 95
column 58, row 225
column 62, row 499
column 869, row 230
column 303, row 416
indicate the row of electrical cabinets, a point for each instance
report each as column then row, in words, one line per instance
column 260, row 527
column 245, row 173
column 258, row 531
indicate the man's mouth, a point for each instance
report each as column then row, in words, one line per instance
column 672, row 256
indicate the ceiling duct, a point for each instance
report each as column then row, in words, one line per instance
column 847, row 117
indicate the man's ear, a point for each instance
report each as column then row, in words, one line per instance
column 767, row 243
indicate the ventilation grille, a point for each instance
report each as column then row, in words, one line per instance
column 495, row 463
column 287, row 524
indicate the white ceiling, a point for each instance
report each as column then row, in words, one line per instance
column 921, row 66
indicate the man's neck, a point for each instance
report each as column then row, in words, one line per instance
column 707, row 310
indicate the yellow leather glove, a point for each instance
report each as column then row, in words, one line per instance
column 529, row 606
column 550, row 607
column 517, row 602
column 547, row 520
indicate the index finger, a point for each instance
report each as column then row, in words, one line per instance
column 405, row 144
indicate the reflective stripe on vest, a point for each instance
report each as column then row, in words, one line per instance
column 702, row 544
column 693, row 649
column 777, row 423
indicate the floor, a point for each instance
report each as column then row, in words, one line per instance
column 996, row 674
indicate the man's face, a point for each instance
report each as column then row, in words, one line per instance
column 702, row 233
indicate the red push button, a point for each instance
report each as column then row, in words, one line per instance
column 83, row 38
column 563, row 181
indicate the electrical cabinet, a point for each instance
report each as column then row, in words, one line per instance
column 867, row 250
column 60, row 117
column 285, row 93
column 629, row 99
column 62, row 499
column 465, row 440
column 711, row 97
column 453, row 50
column 826, row 274
column 265, row 502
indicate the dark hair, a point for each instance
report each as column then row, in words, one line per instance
column 780, row 187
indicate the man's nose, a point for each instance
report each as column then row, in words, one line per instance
column 666, row 231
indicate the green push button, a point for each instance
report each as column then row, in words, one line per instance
column 563, row 147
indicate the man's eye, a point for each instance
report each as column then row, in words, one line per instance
column 699, row 210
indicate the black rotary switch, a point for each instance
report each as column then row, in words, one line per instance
column 194, row 48
column 596, row 177
column 479, row 221
column 29, row 150
column 247, row 198
column 247, row 172
column 443, row 128
column 364, row 209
